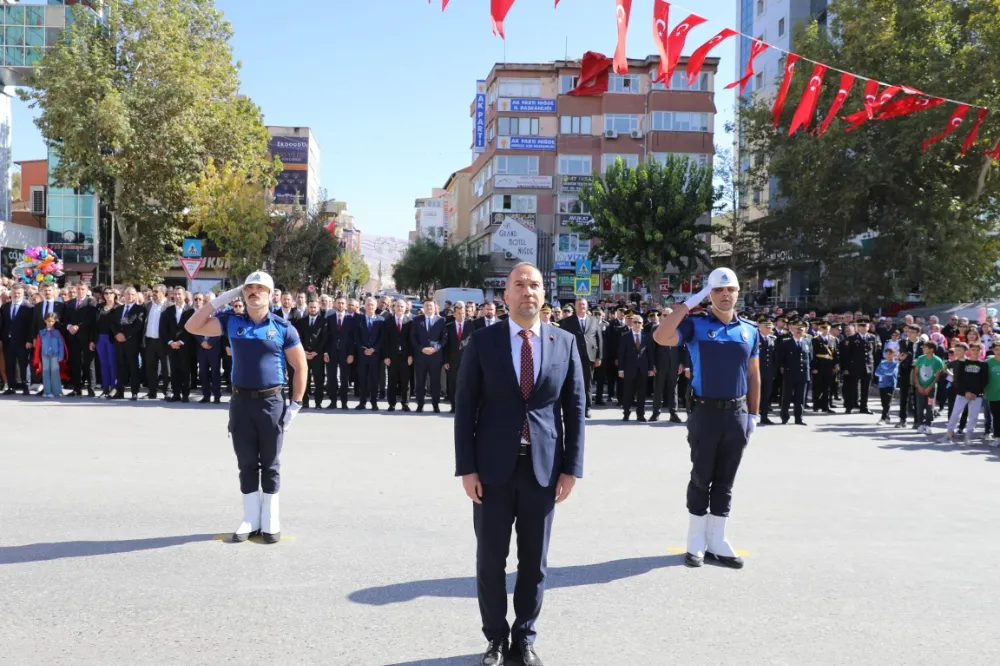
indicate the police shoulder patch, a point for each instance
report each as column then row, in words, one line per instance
column 271, row 333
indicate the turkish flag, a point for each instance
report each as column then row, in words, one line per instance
column 779, row 101
column 906, row 106
column 498, row 11
column 956, row 119
column 846, row 81
column 623, row 9
column 698, row 57
column 661, row 19
column 675, row 44
column 969, row 140
column 444, row 4
column 873, row 102
column 995, row 153
column 594, row 71
column 807, row 104
column 756, row 49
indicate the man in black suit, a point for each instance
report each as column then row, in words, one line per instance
column 398, row 356
column 128, row 324
column 178, row 341
column 588, row 339
column 667, row 365
column 366, row 348
column 488, row 317
column 338, row 348
column 428, row 337
column 47, row 305
column 616, row 327
column 312, row 332
column 81, row 317
column 519, row 440
column 17, row 332
column 635, row 364
column 459, row 332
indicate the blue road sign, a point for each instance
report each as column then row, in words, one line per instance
column 191, row 248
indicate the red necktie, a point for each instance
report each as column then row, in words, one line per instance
column 399, row 324
column 459, row 332
column 339, row 321
column 527, row 375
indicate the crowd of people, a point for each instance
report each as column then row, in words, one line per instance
column 70, row 341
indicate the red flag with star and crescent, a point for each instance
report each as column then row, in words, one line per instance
column 594, row 72
column 786, row 81
column 969, row 140
column 623, row 9
column 907, row 105
column 697, row 58
column 846, row 82
column 756, row 49
column 957, row 116
column 675, row 44
column 661, row 20
column 498, row 12
column 873, row 102
column 995, row 153
column 807, row 103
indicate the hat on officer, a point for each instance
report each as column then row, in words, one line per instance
column 764, row 321
column 260, row 278
column 722, row 277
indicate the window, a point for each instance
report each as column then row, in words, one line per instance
column 759, row 80
column 673, row 121
column 653, row 84
column 758, row 195
column 491, row 95
column 519, row 88
column 517, row 165
column 492, row 133
column 515, row 203
column 517, row 126
column 573, row 243
column 567, row 83
column 624, row 83
column 570, row 205
column 479, row 182
column 631, row 161
column 575, row 125
column 700, row 158
column 760, row 7
column 679, row 81
column 781, row 27
column 575, row 165
column 620, row 122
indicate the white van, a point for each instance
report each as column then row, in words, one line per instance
column 456, row 294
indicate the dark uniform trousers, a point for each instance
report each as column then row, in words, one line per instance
column 127, row 360
column 255, row 426
column 717, row 438
column 793, row 391
column 822, row 385
column 634, row 392
column 521, row 501
column 338, row 378
column 209, row 364
column 856, row 389
column 81, row 361
column 180, row 375
column 424, row 364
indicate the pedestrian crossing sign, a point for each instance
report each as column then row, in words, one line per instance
column 582, row 286
column 584, row 268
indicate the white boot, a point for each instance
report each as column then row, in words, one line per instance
column 251, row 517
column 270, row 523
column 718, row 546
column 696, row 541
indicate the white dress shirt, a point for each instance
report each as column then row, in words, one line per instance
column 515, row 347
column 47, row 307
column 153, row 322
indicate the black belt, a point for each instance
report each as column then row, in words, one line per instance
column 257, row 393
column 720, row 404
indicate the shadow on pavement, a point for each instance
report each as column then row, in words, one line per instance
column 906, row 439
column 41, row 552
column 464, row 660
column 584, row 574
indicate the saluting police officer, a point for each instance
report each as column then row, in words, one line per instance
column 793, row 361
column 725, row 382
column 261, row 342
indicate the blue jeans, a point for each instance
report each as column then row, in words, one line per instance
column 51, row 383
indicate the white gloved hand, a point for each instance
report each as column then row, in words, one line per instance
column 696, row 300
column 290, row 412
column 752, row 421
column 223, row 299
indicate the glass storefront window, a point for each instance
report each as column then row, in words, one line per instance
column 34, row 15
column 14, row 36
column 13, row 56
column 34, row 36
column 14, row 15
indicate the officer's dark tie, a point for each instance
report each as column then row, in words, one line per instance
column 369, row 324
column 637, row 342
column 527, row 375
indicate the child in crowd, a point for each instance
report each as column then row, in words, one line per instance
column 887, row 373
column 971, row 376
column 992, row 394
column 53, row 350
column 927, row 369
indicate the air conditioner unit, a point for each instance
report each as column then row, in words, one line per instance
column 38, row 201
column 636, row 134
column 611, row 134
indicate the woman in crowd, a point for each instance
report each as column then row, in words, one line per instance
column 105, row 342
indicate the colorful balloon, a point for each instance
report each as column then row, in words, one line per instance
column 39, row 265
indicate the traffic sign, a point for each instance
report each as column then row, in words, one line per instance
column 582, row 286
column 584, row 268
column 191, row 248
column 191, row 266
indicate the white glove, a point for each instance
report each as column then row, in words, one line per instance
column 696, row 300
column 223, row 299
column 752, row 421
column 290, row 412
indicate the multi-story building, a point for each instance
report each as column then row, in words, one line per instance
column 534, row 147
column 335, row 213
column 431, row 216
column 299, row 151
column 458, row 193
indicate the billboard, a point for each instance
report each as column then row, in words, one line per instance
column 479, row 125
column 526, row 143
column 526, row 105
column 293, row 180
column 515, row 238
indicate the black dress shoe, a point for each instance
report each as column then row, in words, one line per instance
column 693, row 561
column 625, row 416
column 217, row 399
column 374, row 407
column 655, row 417
column 674, row 418
column 437, row 409
column 360, row 406
column 270, row 538
column 495, row 653
column 332, row 405
column 392, row 408
column 343, row 404
column 731, row 562
column 641, row 418
column 526, row 651
column 90, row 393
column 420, row 409
column 599, row 403
column 406, row 407
column 766, row 421
column 204, row 400
column 799, row 422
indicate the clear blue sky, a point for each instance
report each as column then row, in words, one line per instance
column 386, row 86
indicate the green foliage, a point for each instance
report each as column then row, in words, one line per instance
column 138, row 102
column 933, row 215
column 299, row 250
column 650, row 217
column 733, row 227
column 350, row 272
column 427, row 265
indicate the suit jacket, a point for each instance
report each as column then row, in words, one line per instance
column 83, row 314
column 588, row 339
column 397, row 342
column 794, row 357
column 635, row 362
column 362, row 338
column 490, row 409
column 611, row 336
column 480, row 323
column 420, row 337
column 454, row 348
column 57, row 307
column 313, row 337
column 20, row 330
column 338, row 340
column 171, row 330
column 134, row 325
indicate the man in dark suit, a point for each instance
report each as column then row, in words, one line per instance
column 49, row 304
column 338, row 348
column 398, row 356
column 366, row 347
column 666, row 364
column 793, row 364
column 81, row 316
column 128, row 324
column 519, row 439
column 178, row 341
column 459, row 331
column 616, row 327
column 428, row 337
column 17, row 332
column 312, row 332
column 589, row 341
column 635, row 364
column 487, row 317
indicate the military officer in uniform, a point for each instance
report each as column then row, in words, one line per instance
column 793, row 363
column 862, row 350
column 768, row 366
column 825, row 358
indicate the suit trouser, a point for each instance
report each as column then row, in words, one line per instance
column 127, row 363
column 717, row 438
column 209, row 362
column 453, row 382
column 521, row 501
column 766, row 389
column 155, row 361
column 634, row 393
column 81, row 362
column 605, row 375
column 180, row 379
column 822, row 386
column 16, row 360
column 667, row 379
column 316, row 378
column 856, row 390
column 367, row 369
column 424, row 365
column 588, row 378
column 398, row 381
column 792, row 391
column 257, row 432
column 906, row 392
column 338, row 377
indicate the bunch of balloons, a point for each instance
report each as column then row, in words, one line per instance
column 40, row 265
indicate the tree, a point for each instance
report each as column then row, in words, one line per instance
column 650, row 217
column 136, row 102
column 300, row 250
column 350, row 272
column 15, row 186
column 928, row 219
column 426, row 265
